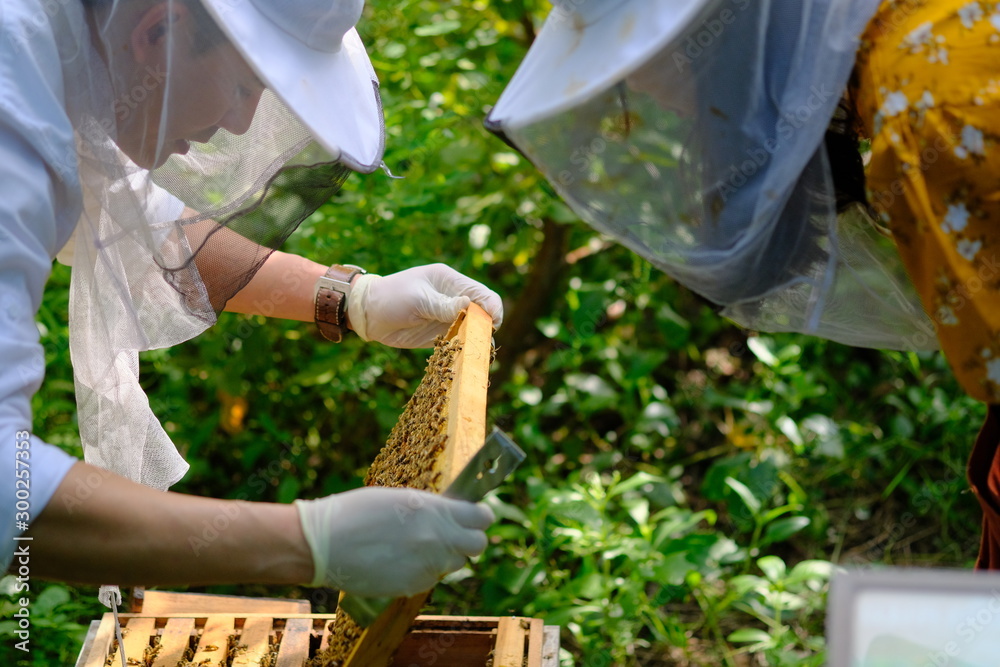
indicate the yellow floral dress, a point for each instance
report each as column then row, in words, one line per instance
column 928, row 90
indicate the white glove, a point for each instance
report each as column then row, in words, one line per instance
column 382, row 542
column 413, row 307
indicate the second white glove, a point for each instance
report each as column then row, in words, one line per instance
column 384, row 542
column 411, row 308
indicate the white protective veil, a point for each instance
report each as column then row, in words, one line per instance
column 692, row 132
column 206, row 131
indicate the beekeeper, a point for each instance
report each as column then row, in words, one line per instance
column 165, row 149
column 719, row 139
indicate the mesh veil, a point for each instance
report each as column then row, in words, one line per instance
column 191, row 173
column 704, row 154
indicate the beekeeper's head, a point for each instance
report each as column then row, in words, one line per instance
column 181, row 70
column 179, row 78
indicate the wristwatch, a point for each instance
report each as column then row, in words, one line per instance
column 332, row 291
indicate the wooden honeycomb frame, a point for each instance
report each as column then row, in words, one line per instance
column 464, row 407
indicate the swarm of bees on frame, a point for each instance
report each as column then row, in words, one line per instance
column 408, row 459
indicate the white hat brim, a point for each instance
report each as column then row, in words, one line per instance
column 335, row 95
column 570, row 61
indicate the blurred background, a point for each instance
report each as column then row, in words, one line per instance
column 689, row 485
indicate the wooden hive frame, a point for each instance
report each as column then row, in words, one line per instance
column 467, row 399
column 465, row 423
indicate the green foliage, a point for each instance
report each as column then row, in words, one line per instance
column 601, row 557
column 59, row 618
column 687, row 487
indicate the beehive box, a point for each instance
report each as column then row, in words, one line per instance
column 440, row 430
column 182, row 639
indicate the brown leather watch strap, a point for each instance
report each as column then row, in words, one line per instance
column 331, row 300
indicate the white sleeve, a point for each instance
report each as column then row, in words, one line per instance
column 28, row 237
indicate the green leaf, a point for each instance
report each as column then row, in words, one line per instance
column 773, row 514
column 810, row 570
column 49, row 599
column 761, row 476
column 641, row 364
column 8, row 628
column 657, row 417
column 725, row 551
column 514, row 576
column 784, row 600
column 745, row 583
column 594, row 392
column 750, row 635
column 745, row 495
column 590, row 587
column 782, row 529
column 437, row 28
column 638, row 509
column 288, row 489
column 504, row 510
column 791, row 430
column 676, row 522
column 636, row 481
column 772, row 567
column 568, row 615
column 762, row 349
